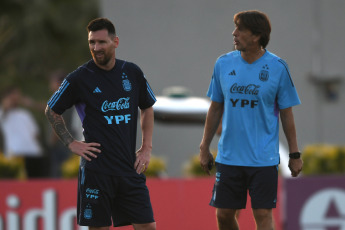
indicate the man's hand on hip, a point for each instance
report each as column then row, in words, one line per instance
column 85, row 150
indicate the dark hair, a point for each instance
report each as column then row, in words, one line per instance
column 100, row 24
column 257, row 22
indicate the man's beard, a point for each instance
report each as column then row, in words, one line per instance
column 101, row 61
column 239, row 48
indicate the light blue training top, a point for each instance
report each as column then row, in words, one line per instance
column 252, row 95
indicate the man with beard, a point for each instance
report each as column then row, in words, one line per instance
column 106, row 93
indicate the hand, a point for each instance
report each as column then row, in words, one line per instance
column 85, row 150
column 295, row 166
column 143, row 159
column 206, row 160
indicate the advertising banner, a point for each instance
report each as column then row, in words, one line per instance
column 38, row 204
column 315, row 203
column 178, row 204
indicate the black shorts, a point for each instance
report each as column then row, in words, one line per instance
column 233, row 182
column 104, row 198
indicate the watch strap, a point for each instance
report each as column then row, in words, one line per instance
column 295, row 155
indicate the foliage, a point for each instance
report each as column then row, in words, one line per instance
column 193, row 168
column 37, row 37
column 323, row 159
column 70, row 168
column 157, row 167
column 11, row 168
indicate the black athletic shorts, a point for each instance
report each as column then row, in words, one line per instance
column 104, row 198
column 233, row 182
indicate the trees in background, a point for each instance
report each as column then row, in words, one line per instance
column 39, row 36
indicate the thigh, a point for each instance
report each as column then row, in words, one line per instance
column 229, row 191
column 132, row 203
column 94, row 198
column 263, row 186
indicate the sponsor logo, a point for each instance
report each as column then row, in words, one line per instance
column 126, row 84
column 232, row 73
column 118, row 119
column 122, row 103
column 244, row 103
column 97, row 90
column 250, row 89
column 324, row 210
column 48, row 213
column 92, row 193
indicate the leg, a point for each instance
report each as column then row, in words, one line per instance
column 263, row 219
column 226, row 219
column 237, row 214
column 149, row 226
column 263, row 191
column 98, row 228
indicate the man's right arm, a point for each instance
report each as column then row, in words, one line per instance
column 82, row 149
column 59, row 126
column 213, row 119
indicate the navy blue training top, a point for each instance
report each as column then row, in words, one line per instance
column 107, row 103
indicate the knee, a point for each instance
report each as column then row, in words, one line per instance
column 226, row 216
column 98, row 228
column 149, row 226
column 262, row 214
column 263, row 217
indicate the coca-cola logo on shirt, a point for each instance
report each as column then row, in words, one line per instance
column 122, row 103
column 250, row 89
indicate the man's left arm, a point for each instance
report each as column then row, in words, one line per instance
column 144, row 153
column 289, row 128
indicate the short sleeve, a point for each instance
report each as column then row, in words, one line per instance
column 287, row 93
column 215, row 92
column 146, row 95
column 65, row 97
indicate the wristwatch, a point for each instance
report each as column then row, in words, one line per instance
column 295, row 155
